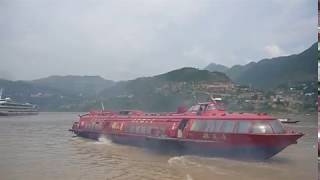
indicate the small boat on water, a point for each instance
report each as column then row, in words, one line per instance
column 288, row 120
column 203, row 129
column 8, row 107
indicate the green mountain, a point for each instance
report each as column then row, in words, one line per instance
column 77, row 85
column 164, row 92
column 193, row 75
column 47, row 98
column 56, row 93
column 216, row 67
column 270, row 73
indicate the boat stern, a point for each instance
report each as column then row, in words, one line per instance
column 75, row 127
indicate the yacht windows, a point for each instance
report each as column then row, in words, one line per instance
column 144, row 129
column 261, row 128
column 238, row 126
column 228, row 126
column 198, row 125
column 131, row 128
column 243, row 127
column 208, row 125
column 216, row 126
column 138, row 129
column 277, row 127
column 148, row 130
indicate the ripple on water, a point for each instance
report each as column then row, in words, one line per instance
column 40, row 147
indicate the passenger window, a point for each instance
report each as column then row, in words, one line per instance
column 217, row 126
column 203, row 125
column 209, row 126
column 138, row 129
column 199, row 125
column 228, row 126
column 261, row 128
column 277, row 127
column 143, row 130
column 243, row 127
column 132, row 128
column 162, row 130
column 148, row 130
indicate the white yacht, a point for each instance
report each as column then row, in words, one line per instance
column 9, row 107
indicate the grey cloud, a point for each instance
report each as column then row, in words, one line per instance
column 124, row 39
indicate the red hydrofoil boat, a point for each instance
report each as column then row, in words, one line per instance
column 204, row 129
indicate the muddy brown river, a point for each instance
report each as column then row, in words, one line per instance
column 41, row 148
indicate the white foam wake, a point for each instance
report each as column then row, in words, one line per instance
column 103, row 140
column 188, row 177
column 177, row 160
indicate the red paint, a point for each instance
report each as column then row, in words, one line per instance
column 137, row 126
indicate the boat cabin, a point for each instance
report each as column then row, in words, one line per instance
column 199, row 127
column 189, row 127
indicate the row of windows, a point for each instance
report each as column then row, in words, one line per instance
column 213, row 126
column 13, row 104
column 16, row 107
column 230, row 126
column 130, row 128
column 146, row 130
column 93, row 126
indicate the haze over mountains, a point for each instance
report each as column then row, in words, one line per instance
column 79, row 85
column 81, row 93
column 161, row 92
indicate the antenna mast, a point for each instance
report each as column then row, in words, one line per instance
column 102, row 106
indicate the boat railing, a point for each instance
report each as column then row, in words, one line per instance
column 103, row 113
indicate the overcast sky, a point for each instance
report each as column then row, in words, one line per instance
column 125, row 39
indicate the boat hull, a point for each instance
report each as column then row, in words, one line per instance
column 18, row 113
column 199, row 147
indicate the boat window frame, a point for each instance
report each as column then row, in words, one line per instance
column 196, row 125
column 233, row 126
column 148, row 130
column 249, row 128
column 266, row 122
column 217, row 128
column 263, row 121
column 220, row 124
column 130, row 128
column 280, row 124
